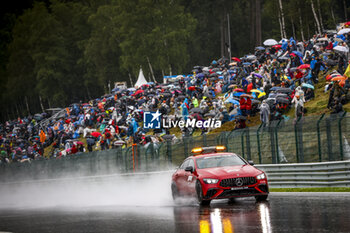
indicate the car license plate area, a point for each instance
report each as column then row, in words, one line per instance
column 239, row 188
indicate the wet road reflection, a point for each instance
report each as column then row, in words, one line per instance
column 293, row 212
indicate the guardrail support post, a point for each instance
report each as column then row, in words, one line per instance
column 272, row 143
column 341, row 136
column 319, row 138
column 276, row 138
column 185, row 146
column 258, row 141
column 204, row 139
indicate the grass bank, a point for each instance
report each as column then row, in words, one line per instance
column 326, row 189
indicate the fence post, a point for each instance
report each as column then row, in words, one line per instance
column 204, row 139
column 276, row 138
column 341, row 136
column 258, row 141
column 242, row 142
column 319, row 138
column 297, row 139
column 329, row 138
column 168, row 151
column 185, row 146
column 272, row 143
column 248, row 143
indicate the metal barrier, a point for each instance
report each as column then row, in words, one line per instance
column 301, row 175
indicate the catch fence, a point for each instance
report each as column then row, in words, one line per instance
column 308, row 139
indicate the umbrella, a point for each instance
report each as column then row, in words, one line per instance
column 256, row 102
column 339, row 78
column 326, row 54
column 238, row 90
column 196, row 110
column 304, row 66
column 275, row 88
column 334, row 75
column 338, row 39
column 238, row 94
column 255, row 90
column 192, row 88
column 96, row 134
column 246, row 95
column 79, row 143
column 341, row 49
column 261, row 94
column 232, row 101
column 213, row 75
column 210, row 114
column 282, row 100
column 257, row 75
column 293, row 69
column 247, row 63
column 298, row 53
column 251, row 57
column 306, row 85
column 119, row 143
column 260, row 48
column 277, row 46
column 344, row 31
column 236, row 59
column 284, row 90
column 283, row 58
column 322, row 39
column 138, row 92
column 131, row 89
column 270, row 42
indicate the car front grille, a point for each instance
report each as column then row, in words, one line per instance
column 234, row 193
column 234, row 182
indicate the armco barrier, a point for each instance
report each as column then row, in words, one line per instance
column 305, row 175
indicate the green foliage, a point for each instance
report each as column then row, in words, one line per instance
column 65, row 51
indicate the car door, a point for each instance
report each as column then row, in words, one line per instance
column 180, row 178
column 190, row 178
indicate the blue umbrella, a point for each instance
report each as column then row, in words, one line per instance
column 232, row 101
column 307, row 85
column 298, row 53
column 238, row 94
column 247, row 63
column 275, row 88
column 260, row 48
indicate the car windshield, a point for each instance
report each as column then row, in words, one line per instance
column 219, row 161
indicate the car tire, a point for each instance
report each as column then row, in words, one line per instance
column 199, row 191
column 261, row 198
column 232, row 200
column 174, row 191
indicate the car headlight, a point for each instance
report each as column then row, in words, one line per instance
column 261, row 176
column 210, row 181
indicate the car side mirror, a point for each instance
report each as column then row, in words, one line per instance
column 189, row 169
column 251, row 162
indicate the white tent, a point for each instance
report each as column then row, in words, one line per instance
column 141, row 79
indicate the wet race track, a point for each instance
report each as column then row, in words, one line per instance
column 283, row 212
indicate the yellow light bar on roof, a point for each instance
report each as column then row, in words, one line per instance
column 197, row 150
column 220, row 148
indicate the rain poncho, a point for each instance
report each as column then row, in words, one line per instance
column 184, row 109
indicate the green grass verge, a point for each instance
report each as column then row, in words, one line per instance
column 326, row 189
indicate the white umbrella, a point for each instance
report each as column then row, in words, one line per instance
column 283, row 39
column 338, row 39
column 270, row 42
column 322, row 39
column 344, row 31
column 341, row 49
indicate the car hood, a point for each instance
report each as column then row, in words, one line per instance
column 229, row 172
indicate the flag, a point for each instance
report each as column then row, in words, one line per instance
column 347, row 71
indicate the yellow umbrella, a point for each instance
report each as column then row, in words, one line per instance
column 261, row 94
column 255, row 90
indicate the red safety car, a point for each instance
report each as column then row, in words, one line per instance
column 210, row 173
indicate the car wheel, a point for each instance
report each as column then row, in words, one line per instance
column 174, row 191
column 261, row 198
column 231, row 200
column 200, row 194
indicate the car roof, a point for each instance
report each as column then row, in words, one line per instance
column 211, row 154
